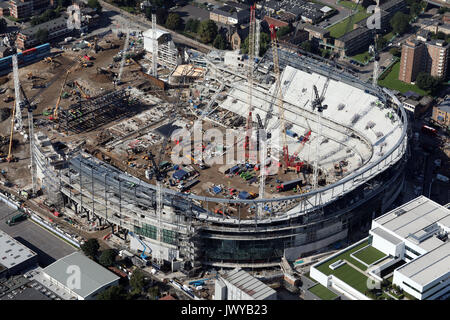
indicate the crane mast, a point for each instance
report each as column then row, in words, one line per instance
column 17, row 113
column 154, row 48
column 276, row 68
column 251, row 59
column 375, row 53
column 125, row 49
column 19, row 124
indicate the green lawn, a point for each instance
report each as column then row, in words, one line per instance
column 362, row 57
column 369, row 255
column 323, row 292
column 350, row 5
column 388, row 36
column 391, row 81
column 338, row 30
column 346, row 256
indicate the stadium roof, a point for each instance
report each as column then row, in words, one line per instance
column 12, row 252
column 93, row 276
column 249, row 284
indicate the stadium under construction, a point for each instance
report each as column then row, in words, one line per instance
column 352, row 164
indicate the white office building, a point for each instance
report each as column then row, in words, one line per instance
column 417, row 233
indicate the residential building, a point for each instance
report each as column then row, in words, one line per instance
column 424, row 56
column 240, row 285
column 26, row 38
column 412, row 60
column 4, row 9
column 93, row 278
column 354, row 41
column 408, row 245
column 441, row 112
column 20, row 9
column 316, row 33
column 437, row 58
column 230, row 15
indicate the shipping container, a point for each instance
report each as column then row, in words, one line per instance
column 288, row 185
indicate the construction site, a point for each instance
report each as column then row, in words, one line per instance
column 317, row 153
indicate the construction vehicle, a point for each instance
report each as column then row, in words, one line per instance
column 143, row 256
column 81, row 90
column 30, row 76
column 87, row 64
column 48, row 59
column 17, row 218
column 8, row 99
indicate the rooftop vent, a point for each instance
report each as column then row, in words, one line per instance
column 399, row 212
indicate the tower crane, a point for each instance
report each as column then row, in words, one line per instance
column 30, row 109
column 376, row 57
column 16, row 118
column 124, row 53
column 276, row 67
column 154, row 47
column 316, row 103
column 251, row 61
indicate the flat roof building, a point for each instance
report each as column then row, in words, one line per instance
column 420, row 229
column 409, row 243
column 441, row 112
column 240, row 285
column 14, row 256
column 92, row 277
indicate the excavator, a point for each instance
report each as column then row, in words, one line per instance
column 81, row 90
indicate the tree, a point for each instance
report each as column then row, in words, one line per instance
column 307, row 46
column 148, row 13
column 264, row 43
column 107, row 257
column 3, row 25
column 395, row 52
column 427, row 82
column 192, row 25
column 283, row 31
column 207, row 31
column 400, row 23
column 381, row 43
column 137, row 281
column 153, row 292
column 90, row 247
column 173, row 21
column 161, row 15
column 113, row 293
column 42, row 35
column 64, row 3
column 95, row 4
column 219, row 42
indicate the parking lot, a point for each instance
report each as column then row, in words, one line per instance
column 48, row 247
column 192, row 12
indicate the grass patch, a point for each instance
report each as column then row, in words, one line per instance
column 391, row 81
column 352, row 277
column 350, row 5
column 363, row 57
column 324, row 268
column 388, row 36
column 323, row 292
column 338, row 30
column 369, row 255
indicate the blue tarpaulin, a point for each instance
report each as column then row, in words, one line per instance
column 179, row 175
column 244, row 195
column 217, row 189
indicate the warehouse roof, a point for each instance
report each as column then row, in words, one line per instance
column 249, row 284
column 13, row 252
column 93, row 276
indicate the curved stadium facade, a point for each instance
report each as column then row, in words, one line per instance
column 362, row 123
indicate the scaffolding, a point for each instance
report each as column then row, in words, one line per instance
column 90, row 114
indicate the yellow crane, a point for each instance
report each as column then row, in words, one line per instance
column 81, row 90
column 55, row 111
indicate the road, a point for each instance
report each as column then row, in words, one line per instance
column 121, row 18
column 48, row 247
